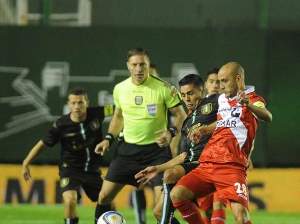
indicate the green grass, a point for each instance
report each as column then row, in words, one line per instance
column 41, row 214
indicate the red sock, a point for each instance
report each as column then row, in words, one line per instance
column 248, row 222
column 218, row 217
column 189, row 211
column 205, row 220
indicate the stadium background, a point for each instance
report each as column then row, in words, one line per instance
column 40, row 59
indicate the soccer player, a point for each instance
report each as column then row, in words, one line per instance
column 78, row 133
column 224, row 160
column 202, row 113
column 212, row 84
column 142, row 102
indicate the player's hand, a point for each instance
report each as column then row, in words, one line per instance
column 164, row 138
column 102, row 147
column 26, row 173
column 243, row 98
column 146, row 175
column 196, row 132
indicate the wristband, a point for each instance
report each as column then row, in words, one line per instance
column 173, row 131
column 110, row 138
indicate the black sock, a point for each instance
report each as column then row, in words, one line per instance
column 174, row 220
column 168, row 209
column 139, row 205
column 100, row 209
column 71, row 220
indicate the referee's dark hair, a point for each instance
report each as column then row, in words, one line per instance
column 136, row 51
column 78, row 91
column 194, row 79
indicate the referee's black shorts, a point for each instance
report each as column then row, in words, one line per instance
column 132, row 158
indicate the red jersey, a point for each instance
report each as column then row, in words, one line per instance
column 234, row 135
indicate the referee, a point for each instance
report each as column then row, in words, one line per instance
column 141, row 105
column 78, row 133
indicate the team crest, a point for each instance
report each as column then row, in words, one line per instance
column 94, row 125
column 206, row 109
column 152, row 109
column 64, row 182
column 138, row 100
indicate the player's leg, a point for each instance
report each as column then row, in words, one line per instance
column 70, row 201
column 231, row 187
column 70, row 186
column 139, row 205
column 91, row 184
column 171, row 176
column 240, row 213
column 205, row 205
column 108, row 192
column 218, row 213
column 195, row 184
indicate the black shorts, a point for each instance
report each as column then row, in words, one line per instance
column 189, row 166
column 73, row 179
column 123, row 168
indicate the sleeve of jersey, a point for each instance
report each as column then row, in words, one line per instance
column 52, row 137
column 116, row 97
column 172, row 98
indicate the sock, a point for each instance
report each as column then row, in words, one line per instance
column 248, row 222
column 139, row 205
column 100, row 209
column 174, row 221
column 189, row 211
column 205, row 220
column 71, row 220
column 218, row 216
column 167, row 209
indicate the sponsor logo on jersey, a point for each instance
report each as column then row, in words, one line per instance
column 206, row 109
column 227, row 123
column 138, row 100
column 152, row 109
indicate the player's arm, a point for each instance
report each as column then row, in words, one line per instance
column 179, row 116
column 198, row 130
column 150, row 172
column 258, row 108
column 34, row 152
column 115, row 127
column 260, row 111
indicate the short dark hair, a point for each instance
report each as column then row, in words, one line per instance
column 215, row 70
column 78, row 91
column 136, row 51
column 194, row 79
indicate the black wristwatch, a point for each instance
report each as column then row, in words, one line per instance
column 110, row 138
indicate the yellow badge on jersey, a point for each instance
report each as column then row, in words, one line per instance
column 64, row 182
column 108, row 110
column 206, row 109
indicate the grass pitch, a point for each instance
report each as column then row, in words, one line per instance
column 44, row 214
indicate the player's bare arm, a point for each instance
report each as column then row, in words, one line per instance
column 257, row 108
column 115, row 127
column 179, row 116
column 150, row 172
column 34, row 152
column 198, row 130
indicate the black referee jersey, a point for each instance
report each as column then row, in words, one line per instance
column 205, row 113
column 78, row 140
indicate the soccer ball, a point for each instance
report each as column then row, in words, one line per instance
column 111, row 217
